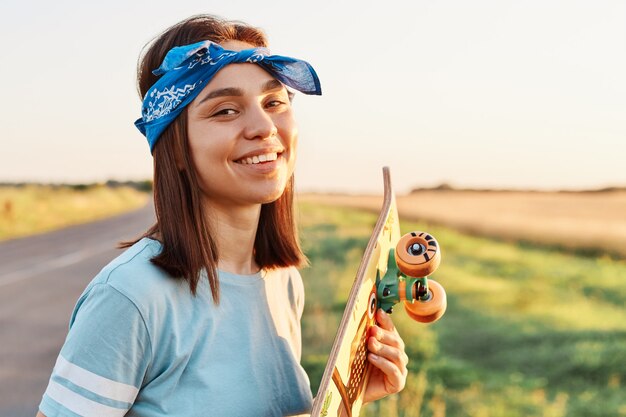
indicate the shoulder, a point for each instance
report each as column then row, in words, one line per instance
column 134, row 276
column 289, row 273
column 289, row 277
column 135, row 259
column 288, row 282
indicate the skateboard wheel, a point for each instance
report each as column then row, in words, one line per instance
column 417, row 254
column 431, row 310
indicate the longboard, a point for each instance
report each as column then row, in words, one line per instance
column 385, row 276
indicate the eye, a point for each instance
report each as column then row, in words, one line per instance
column 274, row 103
column 277, row 102
column 224, row 112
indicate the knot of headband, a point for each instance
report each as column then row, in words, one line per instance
column 187, row 69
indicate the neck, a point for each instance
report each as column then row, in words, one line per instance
column 234, row 230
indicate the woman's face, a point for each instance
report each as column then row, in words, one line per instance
column 242, row 135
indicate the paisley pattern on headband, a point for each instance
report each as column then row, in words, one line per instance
column 165, row 100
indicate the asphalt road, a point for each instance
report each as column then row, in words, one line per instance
column 41, row 277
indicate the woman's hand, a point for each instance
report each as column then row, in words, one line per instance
column 386, row 347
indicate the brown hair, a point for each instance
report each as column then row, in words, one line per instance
column 181, row 227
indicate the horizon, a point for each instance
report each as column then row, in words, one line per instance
column 444, row 187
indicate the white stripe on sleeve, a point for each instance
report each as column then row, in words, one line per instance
column 97, row 384
column 80, row 405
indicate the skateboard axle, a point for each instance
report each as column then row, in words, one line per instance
column 421, row 291
column 394, row 286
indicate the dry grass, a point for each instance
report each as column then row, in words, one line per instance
column 35, row 208
column 583, row 221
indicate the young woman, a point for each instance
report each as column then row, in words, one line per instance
column 201, row 316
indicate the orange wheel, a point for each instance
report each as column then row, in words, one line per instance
column 418, row 254
column 431, row 310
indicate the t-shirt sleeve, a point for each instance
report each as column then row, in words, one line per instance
column 104, row 359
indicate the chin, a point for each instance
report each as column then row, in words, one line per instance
column 270, row 196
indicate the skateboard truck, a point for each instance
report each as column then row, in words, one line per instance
column 416, row 255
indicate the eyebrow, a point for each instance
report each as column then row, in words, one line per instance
column 270, row 85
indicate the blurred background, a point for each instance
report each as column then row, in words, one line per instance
column 503, row 122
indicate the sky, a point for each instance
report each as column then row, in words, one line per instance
column 481, row 93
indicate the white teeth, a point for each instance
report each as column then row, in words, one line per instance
column 272, row 156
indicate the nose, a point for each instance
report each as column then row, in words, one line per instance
column 259, row 124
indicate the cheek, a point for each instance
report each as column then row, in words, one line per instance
column 290, row 141
column 208, row 143
column 195, row 143
column 294, row 148
column 289, row 131
column 196, row 152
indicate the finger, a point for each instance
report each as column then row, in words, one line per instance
column 395, row 378
column 384, row 321
column 387, row 337
column 391, row 353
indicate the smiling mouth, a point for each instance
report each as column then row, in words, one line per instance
column 259, row 159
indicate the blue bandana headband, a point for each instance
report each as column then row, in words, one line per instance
column 187, row 69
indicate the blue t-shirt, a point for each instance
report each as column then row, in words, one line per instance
column 140, row 344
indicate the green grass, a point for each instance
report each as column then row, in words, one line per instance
column 529, row 331
column 33, row 209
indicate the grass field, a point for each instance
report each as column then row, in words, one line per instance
column 35, row 209
column 589, row 222
column 530, row 330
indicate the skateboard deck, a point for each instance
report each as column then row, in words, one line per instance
column 347, row 372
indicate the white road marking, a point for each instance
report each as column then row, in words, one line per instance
column 52, row 264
